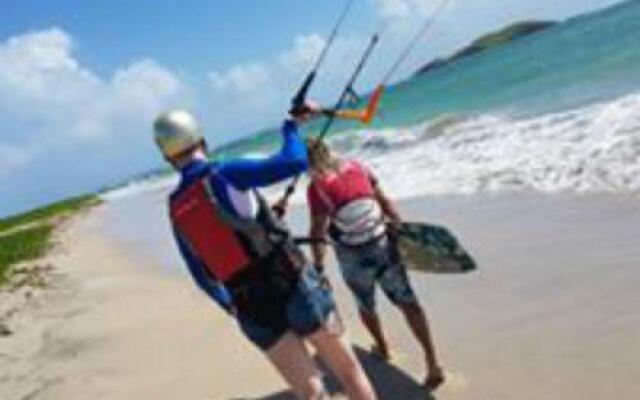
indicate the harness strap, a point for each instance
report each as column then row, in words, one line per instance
column 246, row 226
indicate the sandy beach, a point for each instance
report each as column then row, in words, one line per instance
column 551, row 314
column 516, row 126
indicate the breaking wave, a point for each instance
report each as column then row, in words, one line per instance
column 591, row 149
column 162, row 184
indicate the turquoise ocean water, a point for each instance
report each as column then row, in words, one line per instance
column 586, row 59
column 555, row 112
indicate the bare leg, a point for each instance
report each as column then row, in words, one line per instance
column 417, row 321
column 336, row 352
column 291, row 358
column 372, row 322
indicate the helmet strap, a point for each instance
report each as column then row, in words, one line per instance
column 197, row 152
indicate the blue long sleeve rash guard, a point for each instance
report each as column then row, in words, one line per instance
column 242, row 175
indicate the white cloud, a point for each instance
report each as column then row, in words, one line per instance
column 241, row 98
column 37, row 69
column 49, row 100
column 146, row 79
column 393, row 9
column 138, row 92
column 306, row 50
column 280, row 73
column 241, row 78
column 260, row 91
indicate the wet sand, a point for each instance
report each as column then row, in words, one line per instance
column 551, row 314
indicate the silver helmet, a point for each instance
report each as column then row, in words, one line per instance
column 176, row 131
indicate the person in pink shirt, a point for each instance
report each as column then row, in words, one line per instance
column 347, row 204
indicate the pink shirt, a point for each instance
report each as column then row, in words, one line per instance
column 327, row 193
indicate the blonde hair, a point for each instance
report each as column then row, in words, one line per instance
column 321, row 158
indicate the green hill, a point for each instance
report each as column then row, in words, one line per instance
column 491, row 40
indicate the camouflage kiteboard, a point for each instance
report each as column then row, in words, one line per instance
column 431, row 248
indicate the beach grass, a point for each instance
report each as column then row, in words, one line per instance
column 28, row 236
column 41, row 214
column 23, row 245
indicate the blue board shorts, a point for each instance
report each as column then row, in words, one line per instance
column 377, row 262
column 305, row 310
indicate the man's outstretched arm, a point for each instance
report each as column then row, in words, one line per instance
column 246, row 173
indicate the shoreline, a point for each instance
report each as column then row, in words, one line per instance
column 109, row 327
column 549, row 313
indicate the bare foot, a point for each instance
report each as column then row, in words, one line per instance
column 434, row 379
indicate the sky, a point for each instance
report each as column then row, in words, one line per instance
column 81, row 81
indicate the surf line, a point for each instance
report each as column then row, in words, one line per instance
column 366, row 115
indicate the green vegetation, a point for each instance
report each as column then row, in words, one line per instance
column 23, row 245
column 42, row 214
column 509, row 33
column 491, row 40
column 27, row 236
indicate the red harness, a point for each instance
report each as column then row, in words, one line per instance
column 350, row 182
column 198, row 218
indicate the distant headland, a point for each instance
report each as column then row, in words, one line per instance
column 489, row 41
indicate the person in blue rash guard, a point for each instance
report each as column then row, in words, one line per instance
column 232, row 187
column 244, row 258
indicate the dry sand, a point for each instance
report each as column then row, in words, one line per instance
column 551, row 315
column 110, row 327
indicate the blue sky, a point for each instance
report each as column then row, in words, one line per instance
column 81, row 81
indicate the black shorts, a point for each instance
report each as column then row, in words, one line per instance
column 303, row 311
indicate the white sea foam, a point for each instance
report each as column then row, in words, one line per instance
column 592, row 149
column 138, row 187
